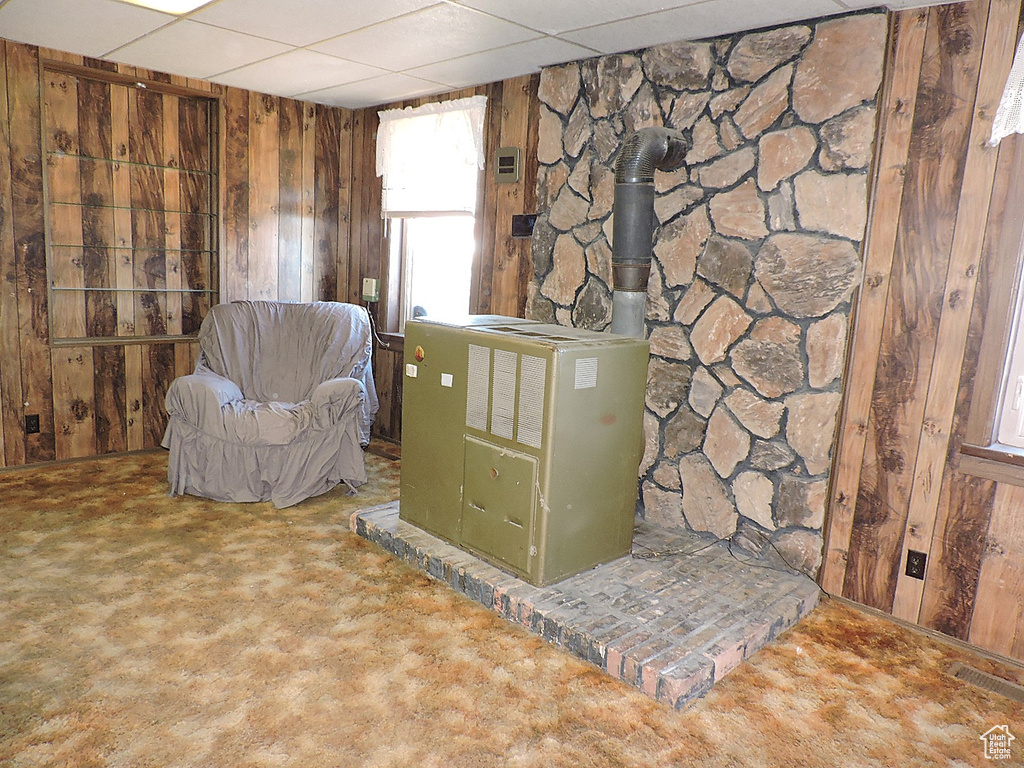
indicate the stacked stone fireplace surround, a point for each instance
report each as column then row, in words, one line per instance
column 756, row 256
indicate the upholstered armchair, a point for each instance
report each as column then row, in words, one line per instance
column 279, row 407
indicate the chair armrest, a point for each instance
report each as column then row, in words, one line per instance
column 199, row 396
column 342, row 394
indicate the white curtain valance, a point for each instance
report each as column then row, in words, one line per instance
column 430, row 156
column 1010, row 114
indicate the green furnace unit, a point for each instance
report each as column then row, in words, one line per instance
column 521, row 441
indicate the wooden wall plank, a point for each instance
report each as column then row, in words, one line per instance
column 931, row 198
column 195, row 194
column 133, row 373
column 327, row 202
column 109, row 399
column 264, row 195
column 481, row 282
column 959, row 290
column 97, row 193
column 235, row 210
column 24, row 106
column 172, row 219
column 350, row 272
column 897, row 103
column 384, row 381
column 124, row 279
column 74, row 399
column 289, row 245
column 12, row 436
column 519, row 100
column 158, row 367
column 308, row 210
column 60, row 110
column 998, row 621
column 149, row 258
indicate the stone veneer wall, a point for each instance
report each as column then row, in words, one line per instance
column 755, row 259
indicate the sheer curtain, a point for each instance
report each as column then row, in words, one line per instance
column 1010, row 114
column 430, row 156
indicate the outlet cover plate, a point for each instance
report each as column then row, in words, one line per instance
column 916, row 562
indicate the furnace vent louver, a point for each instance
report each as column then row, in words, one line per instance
column 503, row 404
column 478, row 392
column 531, row 401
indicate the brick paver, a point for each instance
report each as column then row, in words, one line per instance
column 671, row 626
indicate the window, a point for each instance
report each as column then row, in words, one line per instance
column 430, row 159
column 1010, row 417
column 131, row 196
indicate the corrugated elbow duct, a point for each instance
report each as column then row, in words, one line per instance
column 647, row 150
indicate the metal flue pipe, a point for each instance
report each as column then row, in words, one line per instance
column 648, row 149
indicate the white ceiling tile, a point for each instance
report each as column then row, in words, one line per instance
column 696, row 22
column 434, row 34
column 501, row 63
column 196, row 50
column 301, row 22
column 295, row 72
column 377, row 90
column 557, row 16
column 86, row 27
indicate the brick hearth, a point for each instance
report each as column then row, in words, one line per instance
column 671, row 626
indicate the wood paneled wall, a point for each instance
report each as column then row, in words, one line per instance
column 284, row 191
column 503, row 265
column 937, row 212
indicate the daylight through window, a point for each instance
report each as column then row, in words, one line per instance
column 430, row 158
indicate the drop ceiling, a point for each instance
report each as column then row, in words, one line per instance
column 357, row 53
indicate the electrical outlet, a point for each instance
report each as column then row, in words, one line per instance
column 32, row 424
column 916, row 562
column 371, row 289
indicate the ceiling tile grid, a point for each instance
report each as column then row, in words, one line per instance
column 354, row 53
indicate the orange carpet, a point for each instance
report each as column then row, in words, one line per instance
column 142, row 630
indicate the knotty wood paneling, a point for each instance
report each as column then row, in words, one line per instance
column 12, row 438
column 109, row 397
column 503, row 265
column 24, row 110
column 935, row 226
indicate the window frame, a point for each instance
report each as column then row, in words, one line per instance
column 392, row 268
column 213, row 234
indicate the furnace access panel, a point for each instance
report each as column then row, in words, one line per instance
column 521, row 441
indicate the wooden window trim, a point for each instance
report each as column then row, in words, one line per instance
column 1002, row 262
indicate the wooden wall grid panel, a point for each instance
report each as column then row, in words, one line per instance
column 109, row 397
column 958, row 302
column 941, row 233
column 931, row 192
